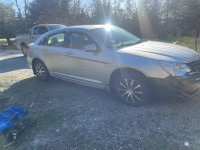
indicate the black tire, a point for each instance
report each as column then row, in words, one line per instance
column 41, row 71
column 24, row 49
column 131, row 88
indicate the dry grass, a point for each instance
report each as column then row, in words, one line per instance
column 184, row 41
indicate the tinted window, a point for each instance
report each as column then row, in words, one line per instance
column 43, row 41
column 79, row 40
column 36, row 31
column 39, row 30
column 57, row 40
column 42, row 30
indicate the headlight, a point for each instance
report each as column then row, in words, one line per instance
column 175, row 69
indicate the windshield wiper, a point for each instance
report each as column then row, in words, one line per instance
column 120, row 45
column 126, row 44
column 139, row 41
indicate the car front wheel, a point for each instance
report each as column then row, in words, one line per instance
column 132, row 89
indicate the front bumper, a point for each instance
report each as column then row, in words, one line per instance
column 183, row 87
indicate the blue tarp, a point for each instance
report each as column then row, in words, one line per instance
column 10, row 114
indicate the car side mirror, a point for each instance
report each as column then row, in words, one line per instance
column 90, row 48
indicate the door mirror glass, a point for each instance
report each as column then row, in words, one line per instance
column 90, row 48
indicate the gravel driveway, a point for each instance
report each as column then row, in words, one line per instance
column 12, row 61
column 75, row 117
column 13, row 66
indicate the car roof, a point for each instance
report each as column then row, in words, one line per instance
column 40, row 25
column 79, row 27
column 88, row 27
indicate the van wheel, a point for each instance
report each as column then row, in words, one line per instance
column 24, row 49
column 131, row 88
column 41, row 71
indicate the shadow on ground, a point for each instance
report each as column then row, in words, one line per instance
column 71, row 116
column 15, row 63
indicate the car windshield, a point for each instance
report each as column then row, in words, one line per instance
column 115, row 37
column 53, row 27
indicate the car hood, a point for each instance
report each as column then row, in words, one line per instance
column 162, row 51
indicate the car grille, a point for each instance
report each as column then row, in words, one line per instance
column 195, row 66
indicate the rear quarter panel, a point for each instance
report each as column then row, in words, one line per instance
column 35, row 51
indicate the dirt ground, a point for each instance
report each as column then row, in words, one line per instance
column 68, row 116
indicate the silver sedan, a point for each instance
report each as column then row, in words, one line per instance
column 109, row 57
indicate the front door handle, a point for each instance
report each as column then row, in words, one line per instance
column 33, row 37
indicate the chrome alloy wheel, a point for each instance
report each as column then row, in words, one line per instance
column 40, row 71
column 130, row 90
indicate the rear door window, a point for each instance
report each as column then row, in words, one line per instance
column 43, row 41
column 57, row 40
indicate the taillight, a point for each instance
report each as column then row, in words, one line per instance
column 28, row 49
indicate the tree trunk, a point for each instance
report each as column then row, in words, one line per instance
column 9, row 41
column 196, row 42
column 25, row 10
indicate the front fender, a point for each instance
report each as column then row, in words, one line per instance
column 148, row 67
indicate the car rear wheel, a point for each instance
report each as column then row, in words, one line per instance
column 41, row 71
column 24, row 49
column 131, row 88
